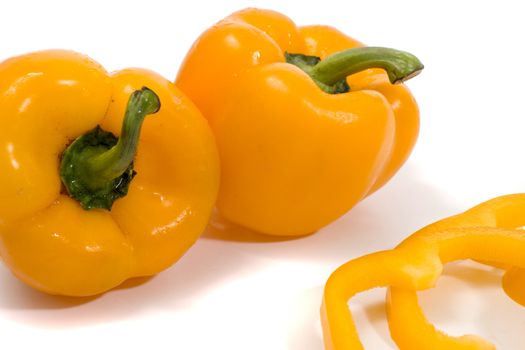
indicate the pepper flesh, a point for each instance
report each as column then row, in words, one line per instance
column 293, row 158
column 488, row 232
column 410, row 268
column 47, row 240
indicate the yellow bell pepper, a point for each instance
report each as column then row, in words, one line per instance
column 408, row 326
column 410, row 268
column 488, row 232
column 78, row 218
column 308, row 122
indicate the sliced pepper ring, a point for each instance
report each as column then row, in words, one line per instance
column 506, row 211
column 408, row 326
column 486, row 232
column 513, row 284
column 500, row 212
column 412, row 268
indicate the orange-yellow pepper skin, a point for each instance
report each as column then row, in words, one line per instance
column 410, row 268
column 513, row 284
column 47, row 239
column 490, row 232
column 293, row 158
column 324, row 40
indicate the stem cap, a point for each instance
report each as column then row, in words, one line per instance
column 72, row 171
column 97, row 168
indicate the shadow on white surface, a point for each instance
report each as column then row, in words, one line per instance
column 469, row 300
column 305, row 330
column 223, row 263
column 381, row 221
column 177, row 288
column 376, row 315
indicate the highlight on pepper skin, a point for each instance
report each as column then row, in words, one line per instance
column 308, row 121
column 103, row 177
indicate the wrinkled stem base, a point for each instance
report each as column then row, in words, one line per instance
column 97, row 168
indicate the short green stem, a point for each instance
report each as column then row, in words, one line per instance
column 97, row 168
column 330, row 73
column 399, row 65
column 112, row 163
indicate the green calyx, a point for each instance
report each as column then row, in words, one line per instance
column 97, row 168
column 330, row 74
column 307, row 63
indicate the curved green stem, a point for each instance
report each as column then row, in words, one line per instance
column 399, row 65
column 112, row 163
column 330, row 74
column 97, row 168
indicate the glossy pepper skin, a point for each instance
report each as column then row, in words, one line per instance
column 489, row 232
column 416, row 268
column 47, row 239
column 293, row 158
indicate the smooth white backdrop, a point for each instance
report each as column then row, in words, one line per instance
column 240, row 291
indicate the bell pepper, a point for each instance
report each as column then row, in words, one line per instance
column 410, row 268
column 506, row 211
column 487, row 232
column 308, row 121
column 89, row 194
column 513, row 284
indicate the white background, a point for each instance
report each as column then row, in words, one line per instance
column 235, row 291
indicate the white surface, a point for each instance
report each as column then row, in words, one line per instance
column 265, row 295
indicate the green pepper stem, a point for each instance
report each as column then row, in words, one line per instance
column 399, row 65
column 112, row 163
